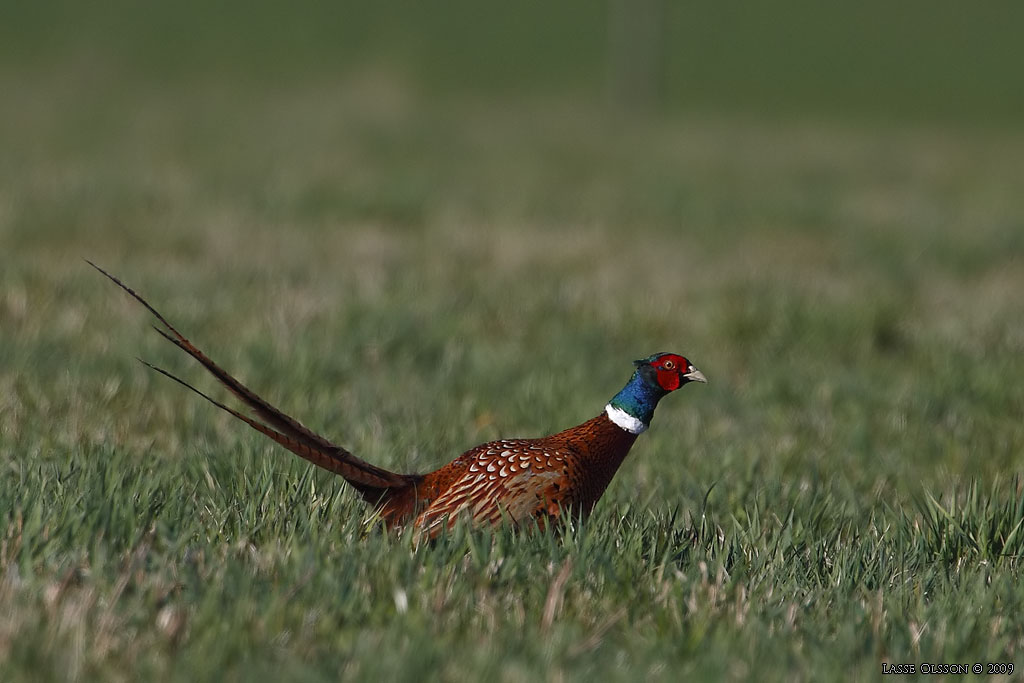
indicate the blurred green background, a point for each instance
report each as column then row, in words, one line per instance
column 421, row 226
column 917, row 61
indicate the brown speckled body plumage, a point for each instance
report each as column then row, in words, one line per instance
column 518, row 480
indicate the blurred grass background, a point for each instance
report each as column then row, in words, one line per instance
column 417, row 228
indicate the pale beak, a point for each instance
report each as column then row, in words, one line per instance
column 695, row 375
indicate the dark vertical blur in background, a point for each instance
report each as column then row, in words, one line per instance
column 920, row 61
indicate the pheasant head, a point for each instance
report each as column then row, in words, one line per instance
column 654, row 378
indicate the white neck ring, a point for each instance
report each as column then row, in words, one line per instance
column 624, row 420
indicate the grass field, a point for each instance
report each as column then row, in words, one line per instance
column 413, row 275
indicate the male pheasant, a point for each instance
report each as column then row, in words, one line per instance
column 518, row 479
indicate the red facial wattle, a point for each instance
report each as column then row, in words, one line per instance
column 669, row 380
column 669, row 370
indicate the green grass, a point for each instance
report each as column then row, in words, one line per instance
column 413, row 275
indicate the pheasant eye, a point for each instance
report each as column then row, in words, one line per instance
column 669, row 365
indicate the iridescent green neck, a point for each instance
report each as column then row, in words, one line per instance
column 637, row 400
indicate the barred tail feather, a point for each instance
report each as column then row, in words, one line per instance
column 369, row 480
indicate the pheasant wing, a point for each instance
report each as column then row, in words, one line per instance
column 517, row 480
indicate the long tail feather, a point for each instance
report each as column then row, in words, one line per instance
column 319, row 457
column 283, row 429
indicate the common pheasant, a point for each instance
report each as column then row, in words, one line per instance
column 515, row 479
